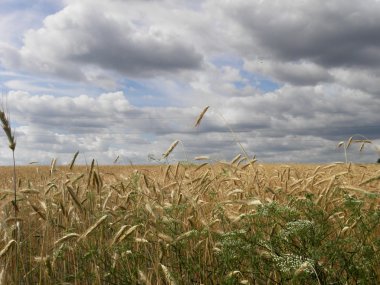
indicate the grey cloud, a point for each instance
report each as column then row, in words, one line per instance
column 362, row 79
column 333, row 33
column 70, row 114
column 290, row 124
column 329, row 112
column 83, row 37
column 300, row 73
column 319, row 52
column 133, row 55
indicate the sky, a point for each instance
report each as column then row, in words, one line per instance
column 285, row 80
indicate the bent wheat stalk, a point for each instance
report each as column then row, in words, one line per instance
column 92, row 228
column 7, row 247
column 65, row 238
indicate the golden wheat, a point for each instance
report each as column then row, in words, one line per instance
column 200, row 117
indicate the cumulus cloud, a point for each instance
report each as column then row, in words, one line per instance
column 308, row 42
column 102, row 127
column 361, row 79
column 290, row 78
column 296, row 73
column 325, row 111
column 109, row 125
column 84, row 41
column 334, row 33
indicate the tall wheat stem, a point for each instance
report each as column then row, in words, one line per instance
column 236, row 139
column 12, row 145
column 16, row 210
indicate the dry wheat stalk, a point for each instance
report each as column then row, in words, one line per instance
column 7, row 247
column 235, row 159
column 200, row 166
column 140, row 240
column 143, row 278
column 165, row 237
column 371, row 179
column 200, row 117
column 118, row 234
column 170, row 149
column 12, row 145
column 169, row 186
column 53, row 165
column 7, row 129
column 168, row 276
column 75, row 198
column 202, row 157
column 73, row 160
column 30, row 191
column 166, row 173
column 176, row 170
column 65, row 238
column 93, row 227
column 127, row 233
column 184, row 235
column 38, row 211
column 13, row 220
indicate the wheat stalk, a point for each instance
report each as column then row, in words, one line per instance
column 75, row 198
column 143, row 278
column 7, row 247
column 7, row 130
column 168, row 276
column 12, row 145
column 52, row 166
column 120, row 234
column 66, row 237
column 200, row 117
column 203, row 157
column 93, row 227
column 73, row 160
column 170, row 149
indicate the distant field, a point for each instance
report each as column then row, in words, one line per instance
column 35, row 172
column 230, row 223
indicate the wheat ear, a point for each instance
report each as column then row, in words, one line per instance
column 170, row 149
column 7, row 129
column 200, row 117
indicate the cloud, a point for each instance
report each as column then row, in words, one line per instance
column 332, row 34
column 289, row 78
column 296, row 73
column 292, row 123
column 84, row 42
column 361, row 79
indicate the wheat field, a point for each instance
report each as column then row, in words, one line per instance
column 225, row 223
